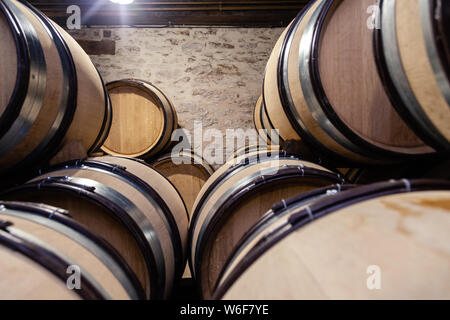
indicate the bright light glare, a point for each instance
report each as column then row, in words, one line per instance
column 122, row 1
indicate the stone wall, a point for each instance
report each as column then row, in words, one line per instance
column 213, row 75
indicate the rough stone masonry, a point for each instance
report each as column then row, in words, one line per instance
column 211, row 74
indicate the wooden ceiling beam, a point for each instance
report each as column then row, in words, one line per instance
column 156, row 13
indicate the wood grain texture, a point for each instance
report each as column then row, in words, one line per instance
column 351, row 82
column 142, row 203
column 24, row 279
column 8, row 65
column 187, row 178
column 53, row 94
column 90, row 108
column 143, row 122
column 138, row 122
column 88, row 119
column 417, row 66
column 71, row 150
column 257, row 119
column 82, row 257
column 296, row 90
column 262, row 123
column 162, row 186
column 223, row 13
column 98, row 220
column 230, row 163
column 245, row 250
column 272, row 100
column 219, row 245
column 241, row 218
column 405, row 235
column 254, row 148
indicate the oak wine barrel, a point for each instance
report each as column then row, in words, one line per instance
column 130, row 205
column 262, row 124
column 39, row 244
column 144, row 119
column 322, row 85
column 187, row 171
column 273, row 219
column 390, row 235
column 235, row 197
column 413, row 56
column 252, row 149
column 51, row 93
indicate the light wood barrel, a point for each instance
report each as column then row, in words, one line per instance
column 47, row 242
column 235, row 197
column 130, row 205
column 274, row 219
column 187, row 171
column 144, row 119
column 262, row 124
column 382, row 241
column 51, row 92
column 325, row 51
column 413, row 56
column 254, row 148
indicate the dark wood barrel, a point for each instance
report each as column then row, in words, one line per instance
column 39, row 244
column 51, row 92
column 235, row 197
column 413, row 57
column 130, row 205
column 187, row 171
column 144, row 119
column 330, row 247
column 322, row 85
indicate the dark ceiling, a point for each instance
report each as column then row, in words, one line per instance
column 176, row 12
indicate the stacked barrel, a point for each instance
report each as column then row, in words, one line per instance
column 106, row 211
column 109, row 227
column 51, row 93
column 359, row 90
column 341, row 88
column 381, row 241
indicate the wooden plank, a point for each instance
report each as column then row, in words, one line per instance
column 147, row 13
column 98, row 47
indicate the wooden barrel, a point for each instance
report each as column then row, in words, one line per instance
column 413, row 56
column 235, row 197
column 275, row 218
column 51, row 92
column 39, row 244
column 130, row 205
column 144, row 119
column 393, row 236
column 322, row 85
column 262, row 124
column 254, row 148
column 187, row 171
